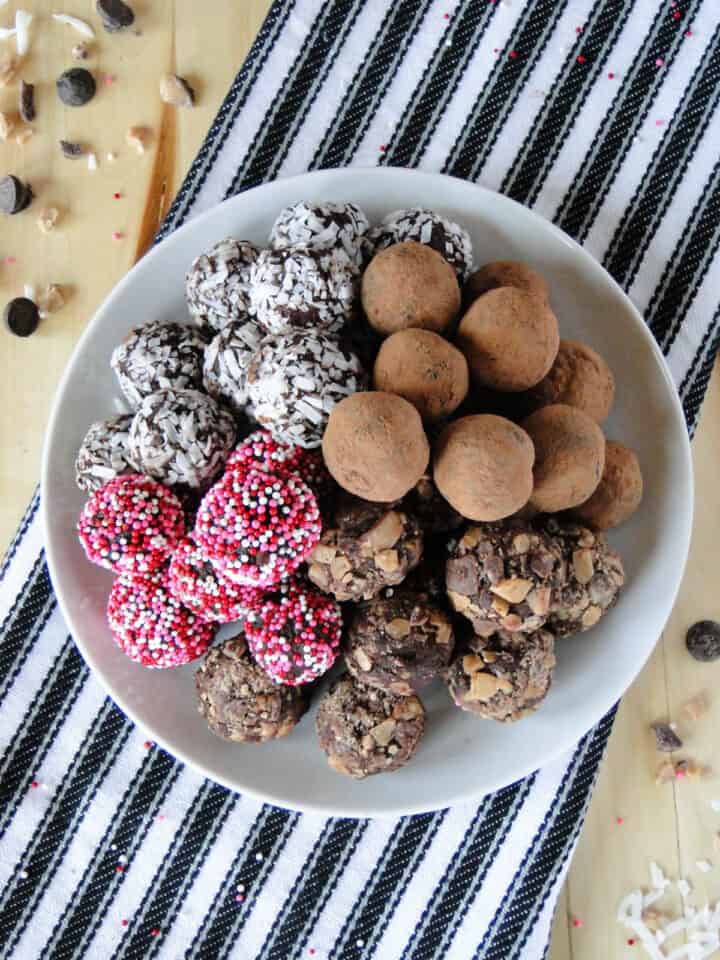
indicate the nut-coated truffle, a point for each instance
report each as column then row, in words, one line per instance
column 374, row 445
column 483, row 466
column 504, row 273
column 569, row 457
column 410, row 285
column 424, row 368
column 619, row 492
column 579, row 377
column 510, row 339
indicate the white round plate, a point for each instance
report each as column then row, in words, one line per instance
column 461, row 757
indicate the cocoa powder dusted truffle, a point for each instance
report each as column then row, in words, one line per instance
column 158, row 356
column 300, row 288
column 238, row 699
column 425, row 369
column 400, row 643
column 504, row 273
column 372, row 547
column 217, row 286
column 483, row 466
column 503, row 677
column 619, row 493
column 227, row 361
column 595, row 576
column 409, row 285
column 580, row 378
column 341, row 227
column 374, row 445
column 365, row 731
column 505, row 576
column 181, row 437
column 295, row 380
column 104, row 453
column 439, row 233
column 510, row 339
column 569, row 457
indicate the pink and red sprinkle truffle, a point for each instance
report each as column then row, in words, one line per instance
column 257, row 529
column 261, row 451
column 194, row 581
column 131, row 525
column 151, row 626
column 295, row 637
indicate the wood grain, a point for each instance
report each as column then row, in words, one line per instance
column 673, row 825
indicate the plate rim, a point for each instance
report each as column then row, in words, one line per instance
column 366, row 808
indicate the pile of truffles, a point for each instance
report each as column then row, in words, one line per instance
column 359, row 449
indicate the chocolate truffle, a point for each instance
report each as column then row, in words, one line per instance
column 569, row 457
column 374, row 548
column 423, row 226
column 503, row 677
column 424, row 368
column 595, row 575
column 505, row 576
column 181, row 437
column 301, row 288
column 104, row 453
column 227, row 359
column 409, row 285
column 295, row 380
column 430, row 508
column 483, row 466
column 580, row 378
column 158, row 356
column 364, row 730
column 505, row 273
column 337, row 226
column 619, row 492
column 399, row 644
column 239, row 701
column 374, row 446
column 510, row 339
column 217, row 286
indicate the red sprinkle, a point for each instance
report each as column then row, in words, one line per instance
column 659, row 62
column 117, row 235
column 512, row 54
column 688, row 33
column 9, row 260
column 578, row 29
column 446, row 16
column 123, row 923
column 155, row 931
column 630, row 942
column 680, row 774
column 116, row 196
column 239, row 898
column 611, row 76
column 381, row 148
column 619, row 821
column 35, row 784
column 581, row 58
column 147, row 744
column 677, row 15
column 120, row 868
column 577, row 923
column 108, row 79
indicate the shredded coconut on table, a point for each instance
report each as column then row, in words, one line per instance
column 23, row 19
column 76, row 23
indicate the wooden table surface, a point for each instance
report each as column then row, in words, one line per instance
column 673, row 824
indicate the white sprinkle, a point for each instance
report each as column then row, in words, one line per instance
column 240, row 888
column 113, row 846
column 359, row 943
column 44, row 786
column 715, row 804
column 92, row 161
column 29, row 291
column 683, row 886
column 23, row 874
column 122, row 859
column 83, row 28
column 704, row 866
column 111, row 156
column 258, row 857
column 23, row 19
column 657, row 877
column 6, row 32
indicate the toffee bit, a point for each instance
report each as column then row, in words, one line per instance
column 48, row 218
column 138, row 137
column 696, row 706
column 7, row 126
column 80, row 52
column 52, row 299
column 23, row 135
column 176, row 91
column 71, row 149
column 26, row 101
column 8, row 69
column 665, row 773
column 666, row 740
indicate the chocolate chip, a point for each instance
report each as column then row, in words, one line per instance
column 76, row 87
column 71, row 149
column 115, row 15
column 461, row 575
column 27, row 101
column 21, row 317
column 703, row 640
column 666, row 740
column 14, row 195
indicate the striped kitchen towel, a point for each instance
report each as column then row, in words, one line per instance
column 600, row 114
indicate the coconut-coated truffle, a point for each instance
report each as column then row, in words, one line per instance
column 483, row 466
column 374, row 445
column 424, row 368
column 409, row 285
column 579, row 377
column 505, row 273
column 619, row 493
column 510, row 339
column 569, row 456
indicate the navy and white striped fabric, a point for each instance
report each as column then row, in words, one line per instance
column 598, row 113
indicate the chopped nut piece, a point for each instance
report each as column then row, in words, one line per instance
column 398, row 628
column 483, row 686
column 176, row 91
column 666, row 740
column 48, row 218
column 653, row 919
column 489, row 656
column 458, row 600
column 471, row 538
column 591, row 616
column 138, row 137
column 383, row 732
column 521, row 543
column 472, row 663
column 387, row 560
column 363, row 660
column 539, row 600
column 339, row 566
column 23, row 135
column 7, row 126
column 693, row 770
column 408, row 709
column 8, row 69
column 500, row 606
column 514, row 590
column 52, row 299
column 696, row 706
column 386, row 532
column 323, row 554
column 80, row 52
column 583, row 566
column 443, row 633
